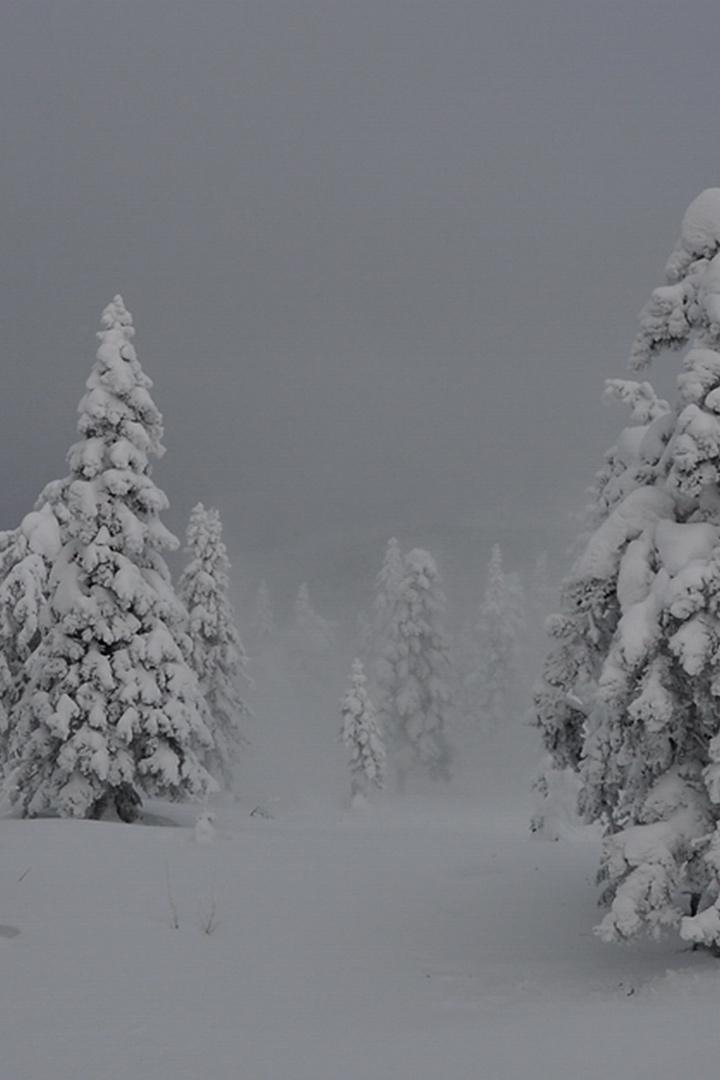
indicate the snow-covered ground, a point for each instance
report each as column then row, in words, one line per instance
column 412, row 942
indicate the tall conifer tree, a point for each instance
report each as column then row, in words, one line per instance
column 110, row 710
column 631, row 694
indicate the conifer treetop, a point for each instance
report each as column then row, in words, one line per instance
column 120, row 428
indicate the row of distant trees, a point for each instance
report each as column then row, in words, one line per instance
column 414, row 684
column 117, row 684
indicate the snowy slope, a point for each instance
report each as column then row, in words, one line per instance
column 405, row 945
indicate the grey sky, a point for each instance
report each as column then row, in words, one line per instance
column 380, row 254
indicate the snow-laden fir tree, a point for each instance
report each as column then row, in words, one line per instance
column 631, row 692
column 26, row 557
column 362, row 737
column 218, row 657
column 414, row 698
column 111, row 709
column 387, row 584
column 581, row 632
column 364, row 636
column 10, row 664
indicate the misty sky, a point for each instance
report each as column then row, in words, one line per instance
column 380, row 254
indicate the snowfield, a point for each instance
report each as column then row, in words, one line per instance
column 407, row 943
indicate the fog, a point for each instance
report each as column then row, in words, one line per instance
column 380, row 255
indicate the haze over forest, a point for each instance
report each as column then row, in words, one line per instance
column 379, row 257
column 347, row 803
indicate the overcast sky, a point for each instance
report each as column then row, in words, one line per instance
column 380, row 253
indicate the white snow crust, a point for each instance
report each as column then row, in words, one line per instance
column 407, row 945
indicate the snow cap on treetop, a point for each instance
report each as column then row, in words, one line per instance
column 116, row 315
column 421, row 562
column 699, row 238
column 358, row 669
column 700, row 234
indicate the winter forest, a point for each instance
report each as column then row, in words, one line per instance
column 119, row 685
column 360, row 560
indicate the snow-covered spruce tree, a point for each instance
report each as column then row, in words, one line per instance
column 26, row 556
column 375, row 631
column 387, row 584
column 12, row 654
column 581, row 632
column 111, row 709
column 414, row 699
column 641, row 614
column 218, row 657
column 362, row 736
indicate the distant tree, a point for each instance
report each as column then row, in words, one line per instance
column 387, row 584
column 311, row 634
column 264, row 621
column 364, row 636
column 581, row 632
column 218, row 657
column 499, row 625
column 362, row 736
column 414, row 673
column 110, row 709
column 518, row 605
